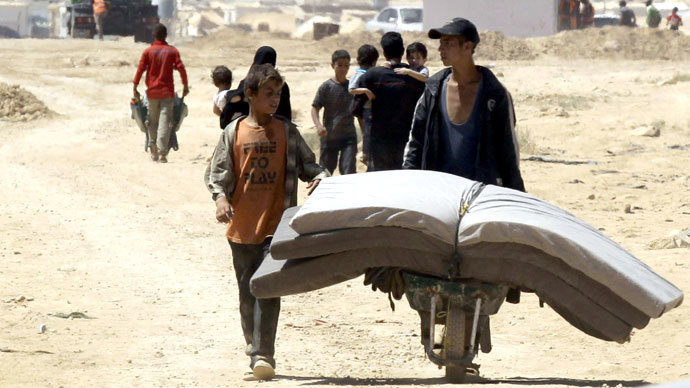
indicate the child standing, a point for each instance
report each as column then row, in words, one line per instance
column 367, row 55
column 253, row 179
column 222, row 79
column 416, row 56
column 338, row 134
column 674, row 20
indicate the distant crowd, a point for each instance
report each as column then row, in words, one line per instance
column 575, row 14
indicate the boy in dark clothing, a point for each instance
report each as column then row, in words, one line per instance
column 338, row 135
column 237, row 104
column 393, row 108
column 465, row 122
column 367, row 55
column 628, row 17
column 253, row 179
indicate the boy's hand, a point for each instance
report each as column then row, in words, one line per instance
column 370, row 94
column 312, row 186
column 321, row 130
column 387, row 65
column 402, row 70
column 185, row 90
column 135, row 93
column 223, row 210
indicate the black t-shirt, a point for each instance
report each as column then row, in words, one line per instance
column 393, row 108
column 233, row 110
column 335, row 100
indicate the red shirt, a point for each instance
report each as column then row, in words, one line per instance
column 159, row 60
column 675, row 20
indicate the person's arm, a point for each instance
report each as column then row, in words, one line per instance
column 316, row 106
column 307, row 168
column 506, row 144
column 357, row 91
column 179, row 66
column 320, row 129
column 143, row 66
column 415, row 145
column 409, row 72
column 220, row 179
column 216, row 110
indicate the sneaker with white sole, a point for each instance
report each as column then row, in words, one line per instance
column 263, row 370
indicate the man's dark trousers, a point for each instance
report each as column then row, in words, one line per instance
column 347, row 150
column 259, row 316
column 385, row 155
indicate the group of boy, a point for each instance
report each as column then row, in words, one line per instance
column 574, row 14
column 462, row 122
column 382, row 98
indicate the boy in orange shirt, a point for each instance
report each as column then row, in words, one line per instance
column 253, row 179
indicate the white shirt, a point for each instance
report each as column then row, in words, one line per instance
column 219, row 99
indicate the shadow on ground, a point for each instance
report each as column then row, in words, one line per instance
column 403, row 381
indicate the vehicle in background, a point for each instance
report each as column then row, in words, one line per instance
column 397, row 19
column 14, row 19
column 607, row 19
column 125, row 17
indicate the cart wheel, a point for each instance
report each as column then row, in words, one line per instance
column 454, row 341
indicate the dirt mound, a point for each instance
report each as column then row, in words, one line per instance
column 17, row 104
column 615, row 43
column 494, row 45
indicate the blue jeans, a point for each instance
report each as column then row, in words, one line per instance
column 259, row 316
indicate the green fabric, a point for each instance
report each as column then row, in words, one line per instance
column 653, row 17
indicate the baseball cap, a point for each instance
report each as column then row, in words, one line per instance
column 458, row 27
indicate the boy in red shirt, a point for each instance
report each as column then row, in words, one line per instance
column 158, row 61
column 253, row 179
column 674, row 20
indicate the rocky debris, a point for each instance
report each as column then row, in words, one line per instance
column 651, row 130
column 675, row 239
column 18, row 104
column 647, row 131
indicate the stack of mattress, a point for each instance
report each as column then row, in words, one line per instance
column 421, row 220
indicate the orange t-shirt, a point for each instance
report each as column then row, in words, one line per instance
column 259, row 155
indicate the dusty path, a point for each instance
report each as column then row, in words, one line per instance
column 90, row 225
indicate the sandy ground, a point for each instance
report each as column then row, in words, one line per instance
column 89, row 224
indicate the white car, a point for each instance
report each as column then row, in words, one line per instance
column 397, row 19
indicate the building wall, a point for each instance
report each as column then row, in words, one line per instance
column 519, row 18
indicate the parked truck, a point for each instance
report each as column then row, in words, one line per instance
column 124, row 18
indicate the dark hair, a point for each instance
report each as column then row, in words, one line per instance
column 260, row 74
column 417, row 47
column 675, row 9
column 367, row 55
column 392, row 44
column 622, row 3
column 648, row 2
column 160, row 32
column 221, row 75
column 339, row 54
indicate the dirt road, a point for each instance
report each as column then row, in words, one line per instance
column 89, row 224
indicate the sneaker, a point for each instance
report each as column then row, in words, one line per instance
column 163, row 159
column 263, row 370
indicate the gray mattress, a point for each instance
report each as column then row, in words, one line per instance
column 288, row 244
column 429, row 203
column 276, row 278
